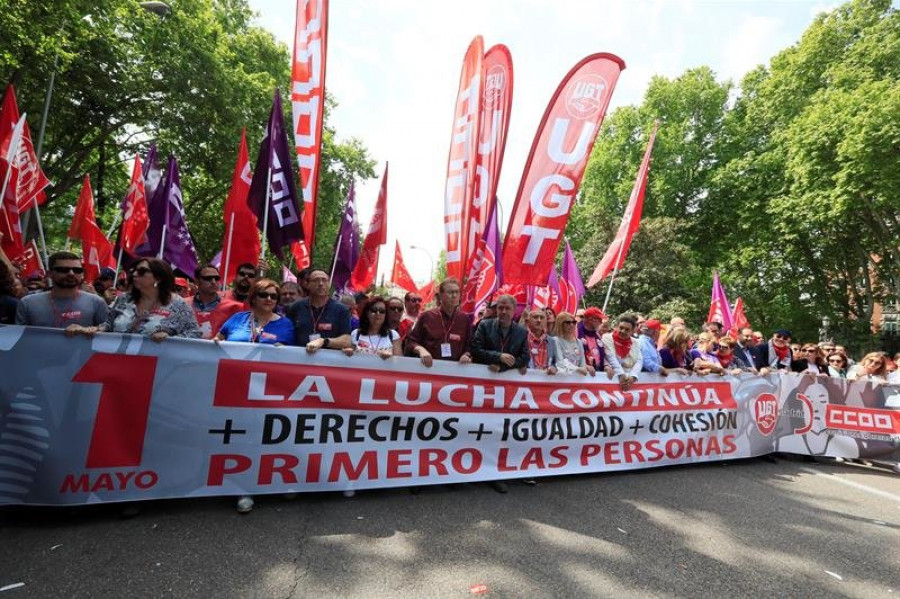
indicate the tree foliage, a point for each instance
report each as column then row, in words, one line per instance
column 788, row 185
column 190, row 81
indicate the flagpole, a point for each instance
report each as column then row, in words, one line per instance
column 228, row 251
column 115, row 224
column 265, row 231
column 334, row 262
column 40, row 227
column 119, row 262
column 162, row 242
column 613, row 278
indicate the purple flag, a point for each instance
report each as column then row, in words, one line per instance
column 152, row 174
column 571, row 288
column 346, row 246
column 179, row 248
column 283, row 226
column 486, row 267
column 719, row 308
column 217, row 260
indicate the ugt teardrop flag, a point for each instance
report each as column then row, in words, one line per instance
column 307, row 107
column 494, row 125
column 615, row 254
column 272, row 190
column 555, row 167
column 459, row 186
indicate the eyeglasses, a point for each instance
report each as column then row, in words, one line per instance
column 63, row 270
column 835, row 361
column 246, row 274
column 567, row 322
column 212, row 278
column 267, row 295
column 396, row 309
column 141, row 271
column 415, row 300
column 376, row 311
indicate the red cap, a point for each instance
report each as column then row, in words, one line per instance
column 653, row 325
column 594, row 312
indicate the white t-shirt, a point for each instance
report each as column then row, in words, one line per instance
column 370, row 344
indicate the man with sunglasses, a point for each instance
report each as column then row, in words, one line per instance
column 412, row 302
column 210, row 308
column 65, row 306
column 244, row 277
column 774, row 355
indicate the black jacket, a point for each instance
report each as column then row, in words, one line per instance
column 487, row 344
column 762, row 354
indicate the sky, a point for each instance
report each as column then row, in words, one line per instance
column 393, row 67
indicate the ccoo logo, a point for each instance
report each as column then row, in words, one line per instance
column 765, row 410
column 584, row 98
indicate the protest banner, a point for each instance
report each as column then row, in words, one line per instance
column 121, row 418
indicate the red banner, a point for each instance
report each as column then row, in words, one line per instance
column 308, row 107
column 615, row 254
column 498, row 94
column 30, row 262
column 460, row 183
column 367, row 265
column 241, row 243
column 135, row 219
column 399, row 275
column 555, row 166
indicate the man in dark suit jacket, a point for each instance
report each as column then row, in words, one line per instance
column 774, row 354
column 743, row 350
column 499, row 342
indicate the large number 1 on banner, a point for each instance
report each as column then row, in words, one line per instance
column 121, row 421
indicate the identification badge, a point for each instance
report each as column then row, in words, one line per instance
column 535, row 351
column 314, row 336
column 445, row 350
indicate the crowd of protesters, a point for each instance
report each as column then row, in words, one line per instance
column 149, row 300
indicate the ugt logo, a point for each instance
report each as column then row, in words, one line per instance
column 765, row 410
column 585, row 96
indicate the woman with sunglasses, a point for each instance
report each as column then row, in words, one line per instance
column 810, row 360
column 152, row 308
column 872, row 368
column 837, row 365
column 261, row 323
column 373, row 336
column 569, row 348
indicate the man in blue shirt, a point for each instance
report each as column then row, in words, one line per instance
column 320, row 321
column 648, row 338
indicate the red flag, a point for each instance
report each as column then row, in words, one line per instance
column 30, row 262
column 135, row 219
column 555, row 166
column 615, row 254
column 427, row 293
column 241, row 240
column 28, row 180
column 498, row 88
column 460, row 182
column 96, row 250
column 364, row 272
column 399, row 275
column 520, row 292
column 738, row 318
column 308, row 107
column 301, row 255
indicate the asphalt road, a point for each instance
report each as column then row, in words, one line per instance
column 747, row 528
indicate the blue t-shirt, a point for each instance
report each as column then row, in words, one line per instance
column 238, row 328
column 330, row 321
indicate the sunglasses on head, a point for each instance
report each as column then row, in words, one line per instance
column 267, row 295
column 211, row 278
column 140, row 271
column 63, row 270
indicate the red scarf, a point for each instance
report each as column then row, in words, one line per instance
column 782, row 352
column 725, row 360
column 623, row 346
column 539, row 357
